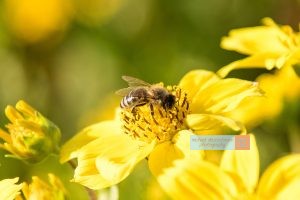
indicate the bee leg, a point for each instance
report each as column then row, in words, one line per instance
column 152, row 113
column 151, row 109
column 134, row 113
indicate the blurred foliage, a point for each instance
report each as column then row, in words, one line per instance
column 66, row 58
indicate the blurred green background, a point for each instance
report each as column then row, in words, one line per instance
column 66, row 57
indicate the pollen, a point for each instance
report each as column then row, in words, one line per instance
column 154, row 122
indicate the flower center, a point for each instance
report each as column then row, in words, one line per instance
column 154, row 121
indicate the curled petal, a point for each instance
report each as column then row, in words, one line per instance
column 108, row 160
column 255, row 40
column 224, row 96
column 266, row 60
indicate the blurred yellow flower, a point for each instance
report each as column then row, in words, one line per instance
column 237, row 177
column 31, row 136
column 9, row 190
column 36, row 190
column 106, row 155
column 40, row 190
column 279, row 88
column 34, row 20
column 95, row 12
column 268, row 46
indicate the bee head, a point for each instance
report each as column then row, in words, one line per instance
column 166, row 99
column 169, row 101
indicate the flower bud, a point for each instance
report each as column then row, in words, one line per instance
column 39, row 189
column 31, row 137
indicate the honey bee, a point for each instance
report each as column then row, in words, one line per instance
column 140, row 93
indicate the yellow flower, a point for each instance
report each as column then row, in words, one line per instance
column 34, row 20
column 31, row 136
column 108, row 151
column 237, row 177
column 9, row 189
column 279, row 88
column 38, row 189
column 268, row 46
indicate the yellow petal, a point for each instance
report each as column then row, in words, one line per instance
column 281, row 178
column 212, row 124
column 87, row 174
column 266, row 60
column 197, row 80
column 290, row 191
column 243, row 163
column 223, row 96
column 5, row 136
column 252, row 111
column 289, row 81
column 163, row 157
column 164, row 154
column 196, row 179
column 9, row 189
column 25, row 109
column 182, row 141
column 108, row 160
column 12, row 114
column 255, row 40
column 70, row 148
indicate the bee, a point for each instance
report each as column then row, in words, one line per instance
column 140, row 93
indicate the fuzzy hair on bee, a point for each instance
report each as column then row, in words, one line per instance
column 140, row 93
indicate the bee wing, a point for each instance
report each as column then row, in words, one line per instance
column 124, row 91
column 134, row 82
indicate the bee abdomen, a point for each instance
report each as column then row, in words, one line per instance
column 127, row 101
column 135, row 98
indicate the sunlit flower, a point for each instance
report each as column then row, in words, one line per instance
column 10, row 189
column 237, row 177
column 268, row 46
column 279, row 88
column 108, row 151
column 34, row 20
column 31, row 136
column 39, row 189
